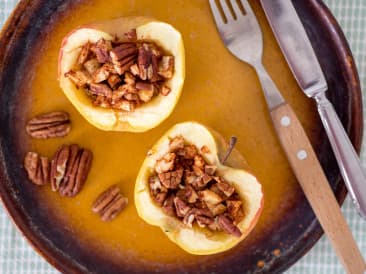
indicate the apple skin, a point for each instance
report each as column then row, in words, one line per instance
column 196, row 240
column 148, row 115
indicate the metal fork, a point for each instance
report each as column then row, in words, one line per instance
column 242, row 35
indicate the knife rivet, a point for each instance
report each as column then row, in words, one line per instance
column 302, row 155
column 285, row 121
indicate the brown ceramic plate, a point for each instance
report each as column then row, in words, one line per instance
column 219, row 91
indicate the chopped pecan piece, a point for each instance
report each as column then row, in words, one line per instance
column 215, row 189
column 171, row 179
column 228, row 226
column 145, row 91
column 131, row 35
column 101, row 50
column 145, row 95
column 188, row 152
column 166, row 67
column 92, row 65
column 125, row 105
column 176, row 143
column 130, row 79
column 199, row 161
column 205, row 149
column 38, row 168
column 147, row 62
column 235, row 210
column 84, row 54
column 165, row 90
column 158, row 191
column 122, row 51
column 215, row 226
column 114, row 80
column 135, row 70
column 188, row 194
column 80, row 78
column 122, row 66
column 206, row 179
column 101, row 74
column 110, row 203
column 203, row 221
column 166, row 163
column 217, row 209
column 202, row 211
column 131, row 97
column 189, row 219
column 226, row 188
column 69, row 169
column 101, row 89
column 210, row 169
column 190, row 178
column 210, row 197
column 198, row 171
column 181, row 207
column 49, row 125
column 168, row 206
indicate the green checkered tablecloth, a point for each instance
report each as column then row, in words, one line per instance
column 17, row 256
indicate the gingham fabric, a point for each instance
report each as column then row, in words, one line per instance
column 18, row 257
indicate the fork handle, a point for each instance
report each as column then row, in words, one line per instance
column 315, row 185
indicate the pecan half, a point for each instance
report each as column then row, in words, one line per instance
column 109, row 203
column 49, row 125
column 38, row 168
column 69, row 169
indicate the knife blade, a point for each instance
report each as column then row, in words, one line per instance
column 302, row 60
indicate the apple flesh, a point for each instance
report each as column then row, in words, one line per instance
column 198, row 240
column 146, row 116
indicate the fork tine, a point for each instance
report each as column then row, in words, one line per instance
column 247, row 7
column 237, row 9
column 216, row 13
column 226, row 10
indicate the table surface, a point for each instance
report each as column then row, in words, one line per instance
column 17, row 256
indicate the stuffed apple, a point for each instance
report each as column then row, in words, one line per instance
column 124, row 74
column 201, row 203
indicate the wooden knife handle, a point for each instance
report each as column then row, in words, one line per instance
column 315, row 185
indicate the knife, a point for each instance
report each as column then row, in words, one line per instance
column 304, row 64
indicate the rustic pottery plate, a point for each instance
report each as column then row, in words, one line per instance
column 219, row 91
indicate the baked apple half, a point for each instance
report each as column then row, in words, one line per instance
column 124, row 74
column 202, row 202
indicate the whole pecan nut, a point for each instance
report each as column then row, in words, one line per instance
column 37, row 167
column 109, row 203
column 69, row 169
column 49, row 125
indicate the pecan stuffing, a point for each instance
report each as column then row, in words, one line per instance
column 70, row 167
column 122, row 75
column 110, row 203
column 49, row 125
column 189, row 188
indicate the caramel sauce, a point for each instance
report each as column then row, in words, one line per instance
column 220, row 91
